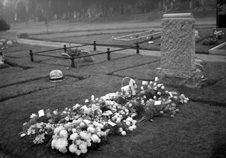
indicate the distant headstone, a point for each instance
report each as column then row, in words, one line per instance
column 221, row 13
column 79, row 52
column 178, row 51
column 9, row 35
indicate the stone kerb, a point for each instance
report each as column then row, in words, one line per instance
column 178, row 48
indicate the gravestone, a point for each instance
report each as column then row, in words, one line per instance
column 221, row 13
column 178, row 51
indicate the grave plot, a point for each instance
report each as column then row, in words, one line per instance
column 79, row 62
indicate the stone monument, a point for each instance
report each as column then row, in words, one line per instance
column 178, row 51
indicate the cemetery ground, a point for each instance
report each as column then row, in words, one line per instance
column 198, row 130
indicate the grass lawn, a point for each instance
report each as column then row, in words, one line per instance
column 106, row 37
column 198, row 130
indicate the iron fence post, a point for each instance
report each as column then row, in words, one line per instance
column 31, row 56
column 109, row 54
column 65, row 48
column 94, row 46
column 137, row 47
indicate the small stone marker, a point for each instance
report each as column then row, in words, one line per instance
column 89, row 58
column 1, row 58
column 178, row 50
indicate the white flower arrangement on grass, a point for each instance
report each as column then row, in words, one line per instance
column 78, row 128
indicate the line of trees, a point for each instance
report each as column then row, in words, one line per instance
column 39, row 10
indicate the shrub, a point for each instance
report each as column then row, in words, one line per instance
column 209, row 41
column 3, row 25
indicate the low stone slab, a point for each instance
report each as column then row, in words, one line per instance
column 8, row 35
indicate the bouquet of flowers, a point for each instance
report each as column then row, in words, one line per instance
column 82, row 126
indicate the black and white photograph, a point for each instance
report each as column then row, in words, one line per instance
column 112, row 78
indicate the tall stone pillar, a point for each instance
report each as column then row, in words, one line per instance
column 178, row 50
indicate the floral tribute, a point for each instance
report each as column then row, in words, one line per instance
column 82, row 126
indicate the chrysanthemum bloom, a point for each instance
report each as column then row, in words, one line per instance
column 61, row 145
column 73, row 148
column 58, row 129
column 74, row 136
column 127, row 123
column 83, row 147
column 63, row 134
column 84, row 135
column 53, row 143
column 91, row 129
column 78, row 152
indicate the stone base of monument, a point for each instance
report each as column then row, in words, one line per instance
column 175, row 78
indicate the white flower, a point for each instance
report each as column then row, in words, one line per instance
column 41, row 113
column 55, row 112
column 87, row 100
column 83, row 146
column 58, row 129
column 84, row 135
column 129, row 119
column 22, row 135
column 95, row 138
column 118, row 120
column 84, row 151
column 82, row 124
column 89, row 143
column 156, row 79
column 134, row 122
column 123, row 133
column 63, row 134
column 134, row 126
column 86, row 121
column 61, row 145
column 144, row 83
column 63, row 150
column 53, row 143
column 33, row 116
column 91, row 129
column 76, row 122
column 78, row 152
column 73, row 130
column 130, row 128
column 73, row 148
column 98, row 124
column 74, row 136
column 127, row 123
column 76, row 106
column 78, row 141
column 92, row 97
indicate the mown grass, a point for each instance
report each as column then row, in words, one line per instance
column 198, row 130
